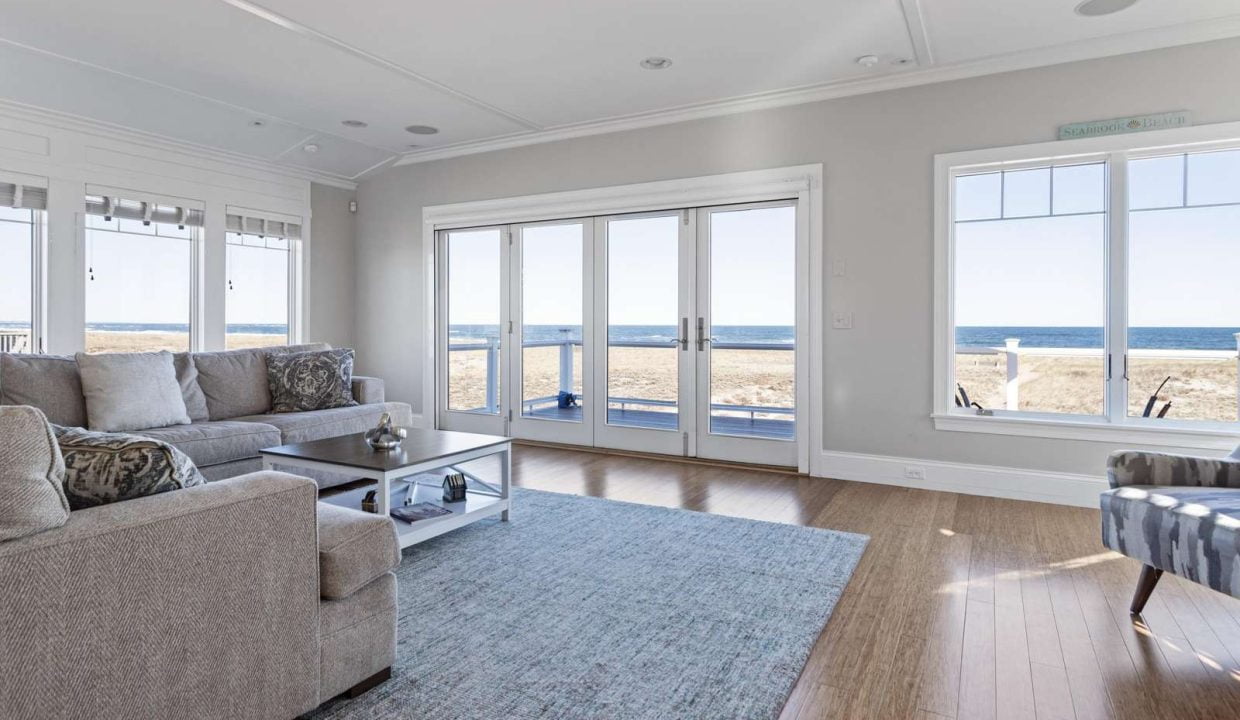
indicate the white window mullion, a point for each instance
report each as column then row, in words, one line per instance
column 1117, row 287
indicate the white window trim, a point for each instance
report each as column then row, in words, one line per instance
column 298, row 269
column 804, row 182
column 1116, row 428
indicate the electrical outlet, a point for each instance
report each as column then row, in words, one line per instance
column 839, row 268
column 912, row 472
column 842, row 320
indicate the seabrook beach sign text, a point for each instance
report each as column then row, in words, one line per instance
column 1118, row 126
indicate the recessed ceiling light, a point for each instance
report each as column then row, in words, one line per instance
column 310, row 148
column 867, row 60
column 902, row 61
column 656, row 63
column 353, row 123
column 422, row 129
column 1094, row 8
column 257, row 123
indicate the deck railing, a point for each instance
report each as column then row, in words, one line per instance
column 566, row 379
column 1012, row 350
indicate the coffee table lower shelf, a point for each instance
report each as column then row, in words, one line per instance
column 476, row 506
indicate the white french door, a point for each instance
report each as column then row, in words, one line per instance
column 678, row 332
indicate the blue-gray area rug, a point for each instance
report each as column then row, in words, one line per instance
column 589, row 608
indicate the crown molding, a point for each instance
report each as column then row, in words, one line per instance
column 1198, row 32
column 89, row 126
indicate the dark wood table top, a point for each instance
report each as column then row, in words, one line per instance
column 419, row 447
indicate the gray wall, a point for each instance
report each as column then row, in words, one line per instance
column 878, row 155
column 332, row 271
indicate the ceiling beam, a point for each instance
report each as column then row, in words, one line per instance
column 917, row 32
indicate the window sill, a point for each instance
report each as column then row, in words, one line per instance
column 1179, row 437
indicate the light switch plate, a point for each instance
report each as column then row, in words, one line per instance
column 842, row 320
column 838, row 268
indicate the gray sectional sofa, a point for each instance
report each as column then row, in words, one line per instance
column 228, row 399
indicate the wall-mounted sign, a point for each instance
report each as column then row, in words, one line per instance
column 1131, row 124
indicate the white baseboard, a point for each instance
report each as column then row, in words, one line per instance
column 987, row 480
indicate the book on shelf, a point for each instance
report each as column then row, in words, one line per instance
column 419, row 511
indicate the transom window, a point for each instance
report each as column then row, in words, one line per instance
column 1091, row 289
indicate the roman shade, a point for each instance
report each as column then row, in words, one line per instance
column 264, row 225
column 18, row 195
column 148, row 211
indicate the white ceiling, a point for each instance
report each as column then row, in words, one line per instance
column 491, row 73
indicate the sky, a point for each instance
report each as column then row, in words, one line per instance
column 1050, row 271
column 752, row 268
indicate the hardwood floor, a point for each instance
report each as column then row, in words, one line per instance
column 962, row 607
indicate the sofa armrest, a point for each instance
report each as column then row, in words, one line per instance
column 367, row 390
column 1132, row 467
column 200, row 602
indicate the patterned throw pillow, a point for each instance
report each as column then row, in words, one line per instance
column 102, row 468
column 316, row 380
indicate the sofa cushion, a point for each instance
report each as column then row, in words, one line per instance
column 220, row 441
column 234, row 382
column 102, row 468
column 191, row 392
column 318, row 424
column 131, row 391
column 316, row 380
column 47, row 382
column 355, row 547
column 32, row 471
column 1193, row 532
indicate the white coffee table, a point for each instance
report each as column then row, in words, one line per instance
column 422, row 452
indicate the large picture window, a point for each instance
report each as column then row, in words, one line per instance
column 1091, row 288
column 22, row 228
column 139, row 275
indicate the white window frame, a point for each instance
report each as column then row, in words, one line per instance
column 298, row 274
column 1115, row 426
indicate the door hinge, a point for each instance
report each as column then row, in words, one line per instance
column 509, row 327
column 510, row 416
column 509, row 237
column 685, row 216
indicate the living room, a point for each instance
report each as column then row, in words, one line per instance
column 623, row 360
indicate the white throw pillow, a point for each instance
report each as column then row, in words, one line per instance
column 131, row 391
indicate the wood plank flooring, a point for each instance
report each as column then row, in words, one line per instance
column 962, row 607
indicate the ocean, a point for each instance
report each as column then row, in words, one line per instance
column 1140, row 338
column 778, row 334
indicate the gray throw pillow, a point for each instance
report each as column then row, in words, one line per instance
column 103, row 468
column 311, row 380
column 32, row 498
column 131, row 391
column 48, row 382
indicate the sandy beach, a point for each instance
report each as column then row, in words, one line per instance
column 739, row 377
column 102, row 341
column 1200, row 389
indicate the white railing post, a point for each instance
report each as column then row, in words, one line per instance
column 566, row 362
column 492, row 374
column 1238, row 374
column 1012, row 350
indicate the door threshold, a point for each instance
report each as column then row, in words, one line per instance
column 783, row 470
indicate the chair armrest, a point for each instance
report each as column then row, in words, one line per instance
column 200, row 602
column 1132, row 467
column 367, row 390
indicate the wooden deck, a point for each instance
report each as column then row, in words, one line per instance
column 963, row 606
column 663, row 420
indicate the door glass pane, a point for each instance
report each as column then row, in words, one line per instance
column 138, row 280
column 1030, row 300
column 1183, row 299
column 642, row 314
column 474, row 320
column 16, row 249
column 753, row 322
column 551, row 309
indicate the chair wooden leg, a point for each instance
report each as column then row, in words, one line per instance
column 1145, row 586
column 378, row 678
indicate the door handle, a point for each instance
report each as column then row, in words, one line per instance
column 701, row 334
column 684, row 333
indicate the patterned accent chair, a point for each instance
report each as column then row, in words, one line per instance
column 1175, row 514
